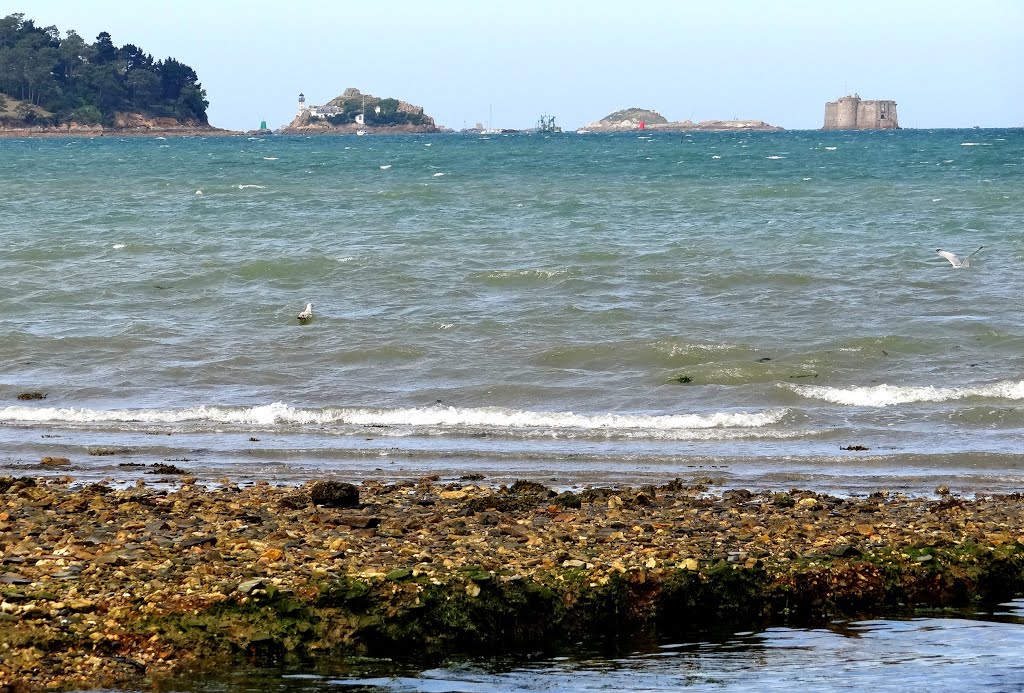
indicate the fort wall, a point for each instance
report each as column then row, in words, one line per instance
column 853, row 113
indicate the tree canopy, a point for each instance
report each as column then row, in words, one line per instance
column 89, row 83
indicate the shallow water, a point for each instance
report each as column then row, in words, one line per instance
column 730, row 307
column 921, row 654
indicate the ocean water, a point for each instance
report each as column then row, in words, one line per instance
column 907, row 656
column 730, row 308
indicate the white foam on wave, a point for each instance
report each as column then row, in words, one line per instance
column 279, row 413
column 529, row 273
column 889, row 395
column 118, row 246
column 251, row 185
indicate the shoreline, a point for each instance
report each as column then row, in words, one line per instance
column 50, row 133
column 131, row 587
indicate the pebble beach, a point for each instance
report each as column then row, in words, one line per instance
column 126, row 587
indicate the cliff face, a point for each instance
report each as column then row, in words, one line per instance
column 21, row 119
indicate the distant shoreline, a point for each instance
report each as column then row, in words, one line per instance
column 99, row 131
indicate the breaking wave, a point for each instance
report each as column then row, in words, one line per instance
column 889, row 395
column 453, row 418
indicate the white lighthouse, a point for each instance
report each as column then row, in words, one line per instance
column 302, row 103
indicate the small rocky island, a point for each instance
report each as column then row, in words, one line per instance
column 644, row 119
column 356, row 113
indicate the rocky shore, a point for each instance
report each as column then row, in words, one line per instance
column 128, row 587
column 125, row 125
column 100, row 131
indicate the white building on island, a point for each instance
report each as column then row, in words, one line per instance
column 316, row 111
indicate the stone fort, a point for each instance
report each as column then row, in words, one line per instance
column 852, row 113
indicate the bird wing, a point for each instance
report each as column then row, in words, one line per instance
column 953, row 259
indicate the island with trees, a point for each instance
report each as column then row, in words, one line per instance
column 51, row 84
column 355, row 112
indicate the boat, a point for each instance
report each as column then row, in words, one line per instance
column 546, row 124
column 361, row 119
column 582, row 131
column 490, row 130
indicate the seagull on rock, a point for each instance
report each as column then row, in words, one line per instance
column 954, row 260
column 307, row 313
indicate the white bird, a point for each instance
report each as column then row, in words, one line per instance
column 954, row 260
column 307, row 314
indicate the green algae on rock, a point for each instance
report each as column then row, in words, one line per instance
column 106, row 586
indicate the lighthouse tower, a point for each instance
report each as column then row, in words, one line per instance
column 302, row 103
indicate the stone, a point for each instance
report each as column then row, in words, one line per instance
column 845, row 551
column 334, row 494
column 247, row 586
column 358, row 521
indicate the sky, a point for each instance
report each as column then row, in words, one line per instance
column 505, row 63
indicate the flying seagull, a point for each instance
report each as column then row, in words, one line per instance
column 307, row 314
column 954, row 260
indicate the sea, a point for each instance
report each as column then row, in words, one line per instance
column 760, row 310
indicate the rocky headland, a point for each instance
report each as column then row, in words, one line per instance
column 131, row 587
column 631, row 118
column 125, row 124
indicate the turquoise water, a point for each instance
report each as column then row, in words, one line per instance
column 596, row 308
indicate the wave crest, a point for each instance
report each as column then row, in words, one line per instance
column 454, row 418
column 889, row 395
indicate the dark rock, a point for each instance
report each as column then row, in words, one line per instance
column 567, row 499
column 845, row 551
column 14, row 579
column 358, row 521
column 531, row 488
column 198, row 541
column 296, row 501
column 739, row 494
column 489, row 518
column 105, row 452
column 164, row 469
column 334, row 494
column 783, row 500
